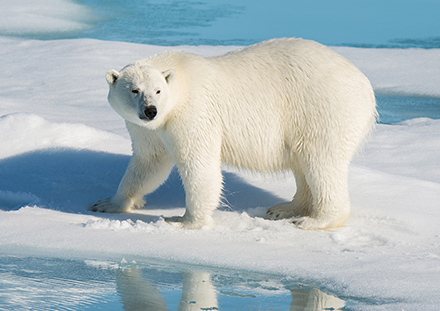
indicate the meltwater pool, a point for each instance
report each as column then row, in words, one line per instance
column 37, row 283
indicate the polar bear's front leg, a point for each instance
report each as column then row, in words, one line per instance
column 203, row 183
column 143, row 176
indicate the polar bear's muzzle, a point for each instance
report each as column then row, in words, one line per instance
column 149, row 113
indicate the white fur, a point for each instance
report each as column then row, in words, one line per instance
column 283, row 104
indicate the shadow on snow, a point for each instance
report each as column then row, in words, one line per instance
column 69, row 180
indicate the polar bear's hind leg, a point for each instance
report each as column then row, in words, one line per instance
column 301, row 205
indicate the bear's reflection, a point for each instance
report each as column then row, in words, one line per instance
column 314, row 300
column 199, row 293
column 139, row 293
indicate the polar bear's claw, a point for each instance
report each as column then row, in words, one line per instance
column 308, row 223
column 281, row 211
column 321, row 223
column 105, row 206
column 183, row 223
column 108, row 205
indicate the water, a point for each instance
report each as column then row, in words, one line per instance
column 394, row 108
column 373, row 23
column 60, row 284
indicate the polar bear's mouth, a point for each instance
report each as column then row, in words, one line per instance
column 149, row 113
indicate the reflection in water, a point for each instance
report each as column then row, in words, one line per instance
column 31, row 283
column 199, row 293
column 138, row 293
column 313, row 300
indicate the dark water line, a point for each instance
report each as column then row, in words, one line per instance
column 393, row 109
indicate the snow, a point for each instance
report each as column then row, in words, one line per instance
column 23, row 17
column 399, row 71
column 62, row 147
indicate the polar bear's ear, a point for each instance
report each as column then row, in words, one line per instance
column 112, row 76
column 169, row 75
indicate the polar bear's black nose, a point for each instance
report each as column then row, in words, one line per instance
column 150, row 112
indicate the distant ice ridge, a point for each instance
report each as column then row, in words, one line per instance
column 28, row 17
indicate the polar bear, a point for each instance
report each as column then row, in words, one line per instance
column 280, row 105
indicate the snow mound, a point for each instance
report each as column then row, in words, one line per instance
column 13, row 200
column 28, row 132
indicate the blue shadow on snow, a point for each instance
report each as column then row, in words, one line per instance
column 70, row 180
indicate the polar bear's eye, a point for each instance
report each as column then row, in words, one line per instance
column 134, row 91
column 158, row 92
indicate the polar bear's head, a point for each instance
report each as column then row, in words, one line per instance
column 141, row 94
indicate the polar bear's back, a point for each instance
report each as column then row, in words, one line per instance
column 286, row 95
column 296, row 68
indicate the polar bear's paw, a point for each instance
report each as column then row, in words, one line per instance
column 108, row 206
column 310, row 223
column 183, row 222
column 105, row 206
column 282, row 211
column 298, row 216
